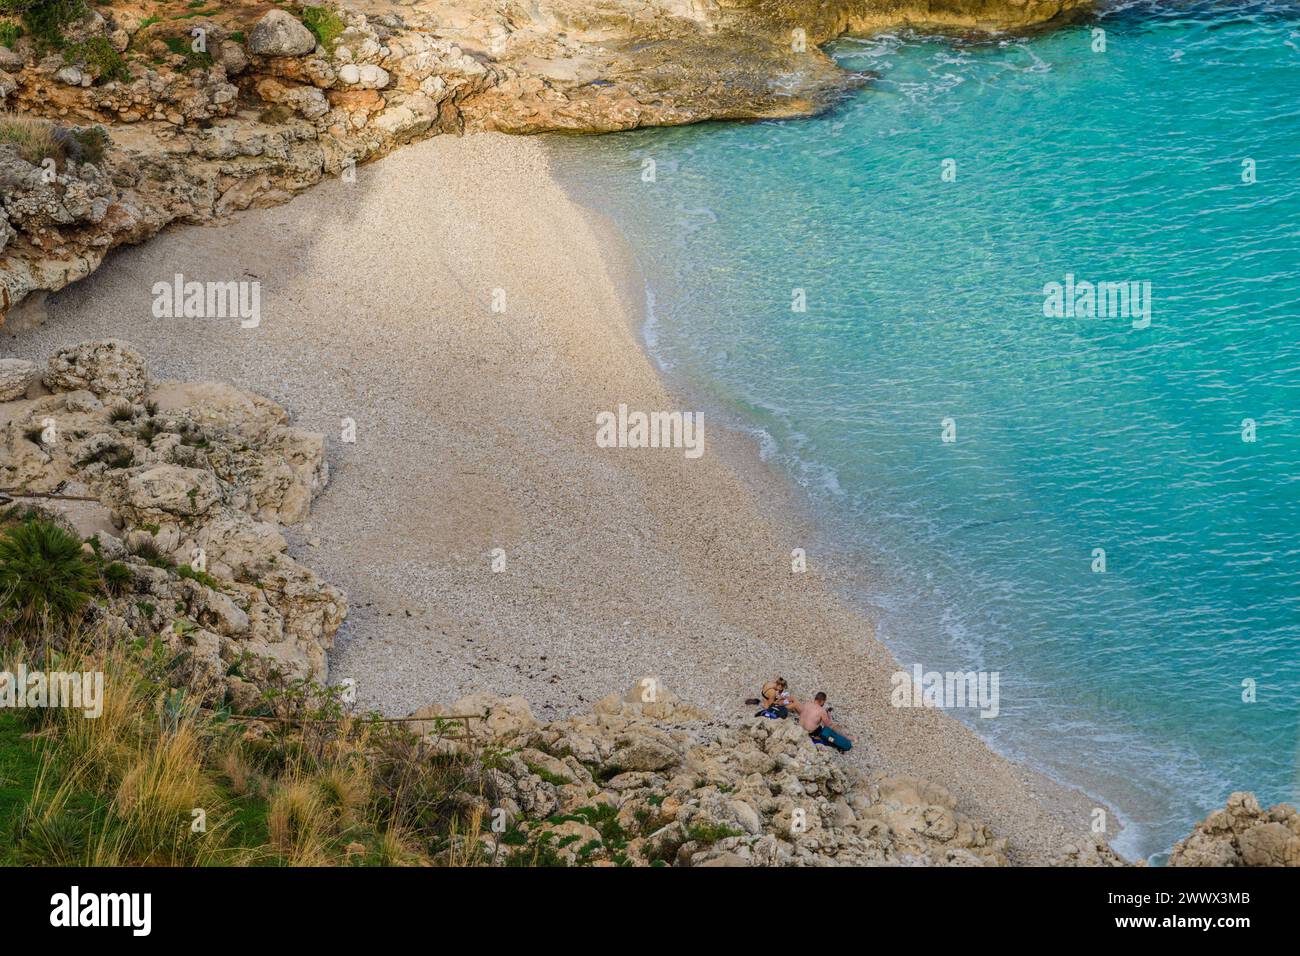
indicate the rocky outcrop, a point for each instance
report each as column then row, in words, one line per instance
column 16, row 377
column 192, row 119
column 280, row 34
column 1092, row 851
column 193, row 483
column 649, row 780
column 1242, row 834
column 107, row 369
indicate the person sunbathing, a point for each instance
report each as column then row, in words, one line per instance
column 815, row 717
column 776, row 700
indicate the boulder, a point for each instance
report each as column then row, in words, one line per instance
column 1092, row 851
column 232, row 57
column 171, row 490
column 109, row 368
column 366, row 76
column 16, row 376
column 280, row 34
column 642, row 753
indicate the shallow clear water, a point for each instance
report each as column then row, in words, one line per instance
column 925, row 302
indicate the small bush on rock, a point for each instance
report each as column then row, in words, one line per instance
column 193, row 60
column 326, row 25
column 43, row 575
column 45, row 19
column 101, row 59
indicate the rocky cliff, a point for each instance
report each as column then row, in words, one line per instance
column 155, row 112
column 181, row 490
column 1242, row 834
column 649, row 780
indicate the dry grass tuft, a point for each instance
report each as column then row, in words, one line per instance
column 36, row 139
column 155, row 780
column 299, row 823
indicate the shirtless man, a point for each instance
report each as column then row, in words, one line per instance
column 816, row 719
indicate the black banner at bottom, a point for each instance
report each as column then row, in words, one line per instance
column 337, row 905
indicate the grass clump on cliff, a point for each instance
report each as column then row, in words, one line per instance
column 9, row 33
column 45, row 19
column 100, row 58
column 326, row 25
column 157, row 779
column 38, row 140
column 35, row 139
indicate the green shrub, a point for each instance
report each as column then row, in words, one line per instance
column 45, row 19
column 325, row 25
column 117, row 578
column 103, row 61
column 709, row 833
column 43, row 574
column 148, row 551
column 9, row 34
column 207, row 580
column 181, row 47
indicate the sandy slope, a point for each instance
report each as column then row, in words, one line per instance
column 476, row 431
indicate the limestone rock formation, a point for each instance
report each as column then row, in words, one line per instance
column 1093, row 851
column 280, row 34
column 107, row 369
column 1242, row 834
column 194, row 482
column 658, row 782
column 16, row 377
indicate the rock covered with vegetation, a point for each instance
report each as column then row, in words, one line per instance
column 180, row 491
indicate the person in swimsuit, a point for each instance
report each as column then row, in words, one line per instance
column 777, row 702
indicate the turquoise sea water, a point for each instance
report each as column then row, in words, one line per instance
column 925, row 303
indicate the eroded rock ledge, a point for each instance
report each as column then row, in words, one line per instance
column 181, row 490
column 650, row 780
column 267, row 107
column 1242, row 834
